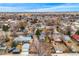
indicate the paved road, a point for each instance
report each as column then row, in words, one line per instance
column 66, row 54
column 41, row 47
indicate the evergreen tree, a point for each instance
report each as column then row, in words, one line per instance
column 14, row 44
column 69, row 33
column 77, row 32
column 5, row 27
column 38, row 33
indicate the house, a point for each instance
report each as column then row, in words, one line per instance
column 76, row 37
column 56, row 36
column 67, row 40
column 22, row 38
column 25, row 49
column 3, row 50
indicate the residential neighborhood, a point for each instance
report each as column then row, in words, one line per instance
column 39, row 33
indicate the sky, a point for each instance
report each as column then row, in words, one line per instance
column 39, row 7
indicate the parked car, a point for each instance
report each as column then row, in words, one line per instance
column 11, row 49
column 16, row 51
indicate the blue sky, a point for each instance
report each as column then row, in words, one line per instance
column 39, row 7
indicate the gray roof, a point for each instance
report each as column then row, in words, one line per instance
column 22, row 38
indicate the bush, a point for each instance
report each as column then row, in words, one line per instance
column 46, row 39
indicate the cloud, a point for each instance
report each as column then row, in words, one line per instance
column 57, row 8
column 64, row 7
column 11, row 9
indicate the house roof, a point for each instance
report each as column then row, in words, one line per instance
column 22, row 38
column 66, row 38
column 76, row 37
column 25, row 46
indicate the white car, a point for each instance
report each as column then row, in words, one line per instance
column 58, row 51
column 25, row 50
column 25, row 53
